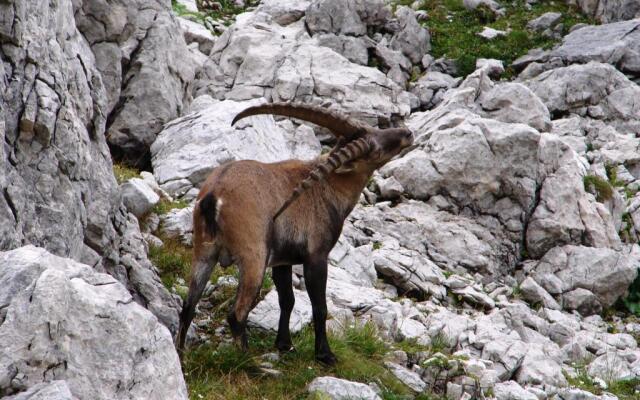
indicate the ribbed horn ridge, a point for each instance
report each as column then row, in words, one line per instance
column 338, row 157
column 339, row 124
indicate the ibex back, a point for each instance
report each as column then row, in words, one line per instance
column 275, row 215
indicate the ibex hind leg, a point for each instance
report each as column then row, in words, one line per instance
column 200, row 273
column 251, row 275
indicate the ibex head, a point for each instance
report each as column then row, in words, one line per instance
column 360, row 147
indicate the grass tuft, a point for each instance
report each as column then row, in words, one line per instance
column 603, row 189
column 164, row 206
column 123, row 172
column 173, row 260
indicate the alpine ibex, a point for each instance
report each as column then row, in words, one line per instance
column 275, row 215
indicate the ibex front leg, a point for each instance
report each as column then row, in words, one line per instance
column 315, row 279
column 282, row 279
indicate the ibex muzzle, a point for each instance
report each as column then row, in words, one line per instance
column 275, row 215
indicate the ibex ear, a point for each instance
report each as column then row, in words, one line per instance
column 345, row 168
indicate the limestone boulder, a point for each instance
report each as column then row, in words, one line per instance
column 594, row 89
column 56, row 170
column 342, row 389
column 608, row 11
column 55, row 315
column 145, row 66
column 602, row 274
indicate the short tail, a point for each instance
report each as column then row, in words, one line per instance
column 208, row 212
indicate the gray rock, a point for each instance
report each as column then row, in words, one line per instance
column 398, row 66
column 431, row 87
column 54, row 390
column 579, row 394
column 341, row 389
column 190, row 147
column 451, row 242
column 62, row 336
column 581, row 300
column 58, row 147
column 610, row 367
column 138, row 197
column 533, row 56
column 491, row 4
column 545, row 21
column 178, row 224
column 295, row 70
column 574, row 88
column 266, row 313
column 542, row 365
column 390, row 188
column 606, row 273
column 510, row 390
column 354, row 49
column 145, row 65
column 495, row 68
column 196, row 33
column 334, row 16
column 190, row 5
column 609, row 10
column 535, row 294
column 565, row 213
column 490, row 33
column 407, row 377
column 615, row 43
column 411, row 39
column 284, row 12
column 514, row 102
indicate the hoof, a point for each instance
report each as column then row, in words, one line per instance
column 286, row 349
column 327, row 359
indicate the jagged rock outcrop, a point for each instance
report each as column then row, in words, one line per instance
column 58, row 187
column 614, row 43
column 145, row 67
column 299, row 61
column 606, row 11
column 54, row 315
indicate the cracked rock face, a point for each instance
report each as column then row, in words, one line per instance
column 57, row 184
column 607, row 11
column 145, row 67
column 257, row 57
column 612, row 43
column 54, row 315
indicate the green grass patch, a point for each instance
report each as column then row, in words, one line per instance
column 626, row 389
column 225, row 14
column 602, row 188
column 411, row 346
column 173, row 260
column 216, row 371
column 123, row 172
column 164, row 206
column 454, row 31
column 612, row 175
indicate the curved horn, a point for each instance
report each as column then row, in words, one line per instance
column 340, row 124
column 338, row 157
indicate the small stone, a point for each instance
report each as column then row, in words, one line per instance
column 138, row 197
column 490, row 33
column 342, row 389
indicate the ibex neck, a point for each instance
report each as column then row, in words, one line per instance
column 348, row 187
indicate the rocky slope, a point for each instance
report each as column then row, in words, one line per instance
column 497, row 244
